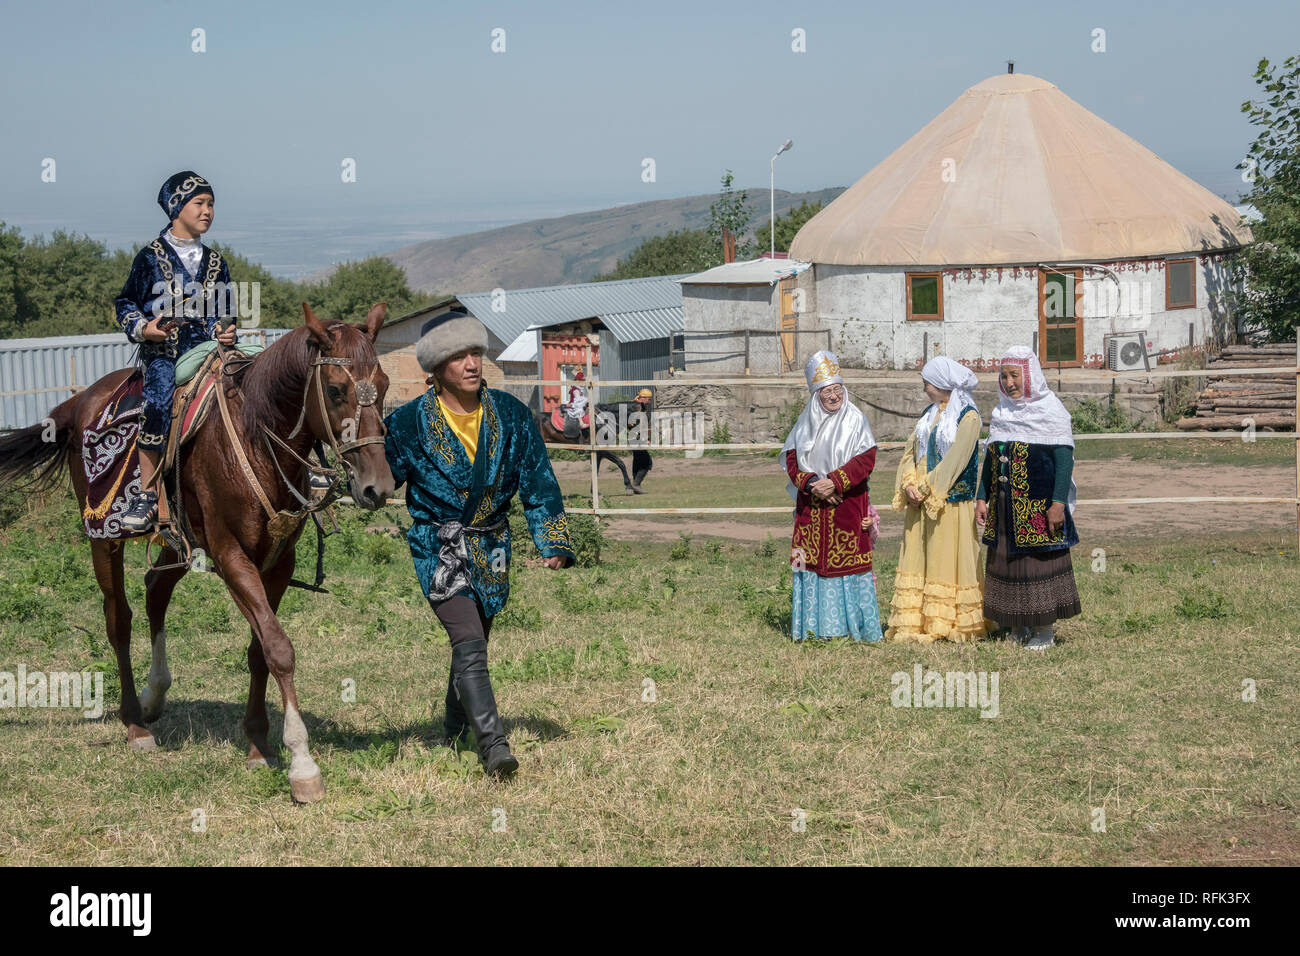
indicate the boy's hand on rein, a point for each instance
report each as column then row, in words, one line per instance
column 156, row 330
column 226, row 337
column 1056, row 516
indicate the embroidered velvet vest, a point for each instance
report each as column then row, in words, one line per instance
column 963, row 489
column 1028, row 472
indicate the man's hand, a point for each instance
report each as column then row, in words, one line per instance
column 555, row 561
column 155, row 330
column 1056, row 516
column 981, row 512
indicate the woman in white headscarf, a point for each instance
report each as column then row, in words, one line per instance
column 829, row 455
column 1026, row 505
column 939, row 587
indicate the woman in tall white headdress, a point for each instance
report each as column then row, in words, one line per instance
column 939, row 586
column 1026, row 505
column 829, row 455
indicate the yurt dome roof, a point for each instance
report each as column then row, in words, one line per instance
column 1016, row 172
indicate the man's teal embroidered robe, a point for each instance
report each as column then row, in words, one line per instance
column 425, row 455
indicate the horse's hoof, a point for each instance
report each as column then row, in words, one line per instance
column 307, row 789
column 252, row 763
column 637, row 489
column 140, row 739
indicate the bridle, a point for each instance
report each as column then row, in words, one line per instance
column 282, row 524
column 367, row 393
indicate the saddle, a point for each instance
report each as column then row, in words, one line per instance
column 191, row 403
column 111, row 458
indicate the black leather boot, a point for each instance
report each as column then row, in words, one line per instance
column 454, row 724
column 470, row 674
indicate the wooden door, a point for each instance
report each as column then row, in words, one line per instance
column 1060, row 317
column 787, row 324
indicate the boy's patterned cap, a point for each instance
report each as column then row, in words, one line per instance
column 180, row 189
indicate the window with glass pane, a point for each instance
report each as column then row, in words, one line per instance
column 1058, row 299
column 923, row 297
column 1180, row 284
column 1060, row 346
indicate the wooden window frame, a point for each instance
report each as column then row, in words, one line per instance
column 907, row 282
column 1169, row 263
column 1078, row 317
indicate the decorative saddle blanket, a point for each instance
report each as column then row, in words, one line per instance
column 108, row 447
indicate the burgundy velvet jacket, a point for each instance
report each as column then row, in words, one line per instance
column 829, row 539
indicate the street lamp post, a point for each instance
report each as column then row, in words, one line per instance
column 772, row 191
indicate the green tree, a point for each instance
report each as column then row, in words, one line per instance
column 786, row 227
column 65, row 285
column 355, row 286
column 279, row 301
column 689, row 250
column 1270, row 266
column 11, row 244
column 731, row 211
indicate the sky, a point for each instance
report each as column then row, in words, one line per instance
column 450, row 136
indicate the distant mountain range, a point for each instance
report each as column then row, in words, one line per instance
column 565, row 249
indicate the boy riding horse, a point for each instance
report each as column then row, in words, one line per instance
column 157, row 309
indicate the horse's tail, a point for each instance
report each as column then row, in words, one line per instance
column 33, row 457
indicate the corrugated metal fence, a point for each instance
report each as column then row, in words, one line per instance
column 37, row 374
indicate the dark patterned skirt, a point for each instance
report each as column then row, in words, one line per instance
column 1027, row 590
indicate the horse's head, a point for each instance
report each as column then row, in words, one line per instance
column 345, row 401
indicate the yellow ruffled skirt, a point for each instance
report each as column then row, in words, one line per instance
column 939, row 587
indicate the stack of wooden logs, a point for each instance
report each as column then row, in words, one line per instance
column 1268, row 399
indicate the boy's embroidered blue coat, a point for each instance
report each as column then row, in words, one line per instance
column 158, row 267
column 425, row 454
column 157, row 263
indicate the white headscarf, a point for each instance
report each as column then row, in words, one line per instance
column 822, row 441
column 1037, row 416
column 942, row 372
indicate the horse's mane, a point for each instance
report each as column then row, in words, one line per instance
column 273, row 384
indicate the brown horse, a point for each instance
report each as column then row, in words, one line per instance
column 315, row 376
column 553, row 436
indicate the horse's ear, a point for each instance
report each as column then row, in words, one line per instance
column 316, row 329
column 374, row 319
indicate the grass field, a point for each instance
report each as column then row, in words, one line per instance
column 1138, row 712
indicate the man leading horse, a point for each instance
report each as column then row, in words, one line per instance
column 463, row 451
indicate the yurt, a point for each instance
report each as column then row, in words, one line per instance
column 1018, row 217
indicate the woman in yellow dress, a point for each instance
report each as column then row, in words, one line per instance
column 939, row 587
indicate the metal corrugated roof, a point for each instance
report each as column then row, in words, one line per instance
column 752, row 272
column 522, row 349
column 557, row 304
column 644, row 324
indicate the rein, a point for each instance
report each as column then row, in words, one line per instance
column 283, row 524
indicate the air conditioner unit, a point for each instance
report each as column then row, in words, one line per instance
column 1127, row 352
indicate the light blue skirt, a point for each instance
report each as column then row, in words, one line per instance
column 835, row 607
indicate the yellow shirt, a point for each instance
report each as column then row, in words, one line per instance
column 465, row 425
